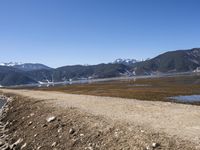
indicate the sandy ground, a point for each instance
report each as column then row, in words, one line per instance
column 175, row 120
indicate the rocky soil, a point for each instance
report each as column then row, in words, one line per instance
column 35, row 124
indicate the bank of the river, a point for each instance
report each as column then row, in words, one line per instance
column 2, row 101
column 4, row 108
column 41, row 124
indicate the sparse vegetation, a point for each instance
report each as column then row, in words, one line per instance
column 154, row 89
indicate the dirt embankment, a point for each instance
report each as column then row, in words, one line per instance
column 43, row 121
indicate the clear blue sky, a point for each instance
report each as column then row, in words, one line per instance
column 66, row 32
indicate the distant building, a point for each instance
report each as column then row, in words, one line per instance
column 197, row 69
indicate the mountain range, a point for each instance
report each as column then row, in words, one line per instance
column 27, row 73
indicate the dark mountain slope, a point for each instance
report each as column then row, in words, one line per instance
column 12, row 76
column 31, row 67
column 174, row 61
column 94, row 71
column 41, row 75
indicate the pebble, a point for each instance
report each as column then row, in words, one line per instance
column 1, row 143
column 148, row 148
column 16, row 143
column 23, row 146
column 71, row 131
column 30, row 123
column 44, row 125
column 59, row 130
column 32, row 114
column 154, row 145
column 50, row 119
column 53, row 144
column 142, row 131
column 81, row 134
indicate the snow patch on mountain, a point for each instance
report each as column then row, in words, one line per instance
column 125, row 61
column 10, row 64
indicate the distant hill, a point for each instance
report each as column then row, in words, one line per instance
column 31, row 66
column 77, row 72
column 173, row 61
column 92, row 71
column 11, row 76
column 25, row 66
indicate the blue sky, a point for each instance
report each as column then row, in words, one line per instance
column 66, row 32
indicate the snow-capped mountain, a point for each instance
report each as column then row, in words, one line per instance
column 10, row 64
column 125, row 61
column 25, row 66
column 31, row 66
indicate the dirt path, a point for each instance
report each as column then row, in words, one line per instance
column 180, row 120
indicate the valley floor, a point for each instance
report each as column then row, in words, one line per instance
column 94, row 122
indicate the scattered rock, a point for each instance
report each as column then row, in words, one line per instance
column 89, row 148
column 142, row 131
column 53, row 144
column 16, row 143
column 1, row 143
column 59, row 130
column 32, row 114
column 30, row 123
column 23, row 146
column 50, row 119
column 147, row 148
column 81, row 134
column 44, row 125
column 71, row 131
column 116, row 134
column 154, row 145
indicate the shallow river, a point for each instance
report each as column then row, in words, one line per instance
column 2, row 102
column 187, row 98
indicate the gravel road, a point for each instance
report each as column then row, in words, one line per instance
column 173, row 119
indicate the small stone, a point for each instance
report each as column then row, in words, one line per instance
column 30, row 123
column 81, row 134
column 154, row 145
column 148, row 148
column 23, row 146
column 53, row 144
column 16, row 143
column 142, row 131
column 59, row 130
column 71, row 131
column 1, row 143
column 35, row 135
column 116, row 134
column 44, row 125
column 50, row 119
column 32, row 114
column 39, row 147
column 89, row 148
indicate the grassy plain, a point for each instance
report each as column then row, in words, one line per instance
column 154, row 89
